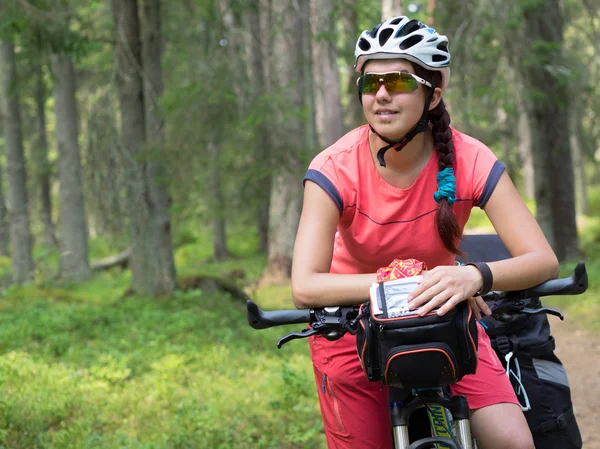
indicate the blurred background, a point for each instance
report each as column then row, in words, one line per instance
column 151, row 159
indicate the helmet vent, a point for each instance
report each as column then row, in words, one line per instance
column 410, row 27
column 443, row 46
column 396, row 21
column 374, row 31
column 364, row 45
column 410, row 42
column 439, row 58
column 433, row 39
column 384, row 35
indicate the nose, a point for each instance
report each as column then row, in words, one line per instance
column 382, row 93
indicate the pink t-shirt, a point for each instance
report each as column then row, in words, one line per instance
column 379, row 222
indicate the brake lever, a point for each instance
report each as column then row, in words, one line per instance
column 295, row 335
column 547, row 310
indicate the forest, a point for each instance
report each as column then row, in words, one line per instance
column 151, row 163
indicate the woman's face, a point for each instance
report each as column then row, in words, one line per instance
column 393, row 114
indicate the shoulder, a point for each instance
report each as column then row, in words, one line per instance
column 468, row 149
column 344, row 152
column 477, row 168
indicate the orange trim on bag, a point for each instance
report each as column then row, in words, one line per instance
column 362, row 353
column 417, row 351
column 471, row 338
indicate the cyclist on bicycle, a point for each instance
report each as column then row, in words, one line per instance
column 402, row 187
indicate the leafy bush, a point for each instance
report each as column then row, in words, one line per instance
column 85, row 370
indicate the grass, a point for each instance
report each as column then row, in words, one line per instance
column 85, row 367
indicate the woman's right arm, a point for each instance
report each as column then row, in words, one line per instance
column 312, row 284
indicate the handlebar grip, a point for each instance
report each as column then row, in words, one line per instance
column 575, row 284
column 258, row 319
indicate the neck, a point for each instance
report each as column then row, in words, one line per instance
column 411, row 156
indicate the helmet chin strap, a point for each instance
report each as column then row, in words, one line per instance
column 398, row 145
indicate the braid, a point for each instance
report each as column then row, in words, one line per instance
column 446, row 224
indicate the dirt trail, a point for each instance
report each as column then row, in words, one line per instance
column 579, row 351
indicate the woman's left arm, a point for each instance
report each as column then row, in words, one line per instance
column 532, row 261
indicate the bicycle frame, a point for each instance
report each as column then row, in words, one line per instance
column 458, row 407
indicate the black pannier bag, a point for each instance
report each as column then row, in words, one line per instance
column 525, row 346
column 417, row 352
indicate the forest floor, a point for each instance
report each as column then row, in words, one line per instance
column 579, row 350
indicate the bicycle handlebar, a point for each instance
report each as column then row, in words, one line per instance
column 337, row 318
column 263, row 320
column 575, row 284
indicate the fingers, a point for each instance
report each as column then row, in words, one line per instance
column 450, row 304
column 478, row 305
column 445, row 288
column 483, row 305
column 474, row 307
column 436, row 301
column 427, row 295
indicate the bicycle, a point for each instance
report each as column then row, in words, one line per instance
column 333, row 322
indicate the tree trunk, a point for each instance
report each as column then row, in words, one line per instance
column 41, row 163
column 74, row 263
column 391, row 8
column 149, row 274
column 329, row 121
column 256, row 56
column 4, row 229
column 159, row 200
column 525, row 150
column 505, row 142
column 548, row 105
column 431, row 13
column 217, row 201
column 354, row 115
column 289, row 56
column 21, row 240
column 578, row 159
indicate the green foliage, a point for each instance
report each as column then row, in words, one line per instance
column 582, row 309
column 88, row 368
column 11, row 24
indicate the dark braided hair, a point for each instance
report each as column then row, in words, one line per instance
column 447, row 227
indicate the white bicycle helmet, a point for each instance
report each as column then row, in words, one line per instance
column 403, row 38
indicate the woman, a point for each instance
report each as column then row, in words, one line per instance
column 403, row 187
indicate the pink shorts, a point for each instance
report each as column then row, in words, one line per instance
column 355, row 411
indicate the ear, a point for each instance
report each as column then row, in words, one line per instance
column 436, row 98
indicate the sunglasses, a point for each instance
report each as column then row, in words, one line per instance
column 394, row 82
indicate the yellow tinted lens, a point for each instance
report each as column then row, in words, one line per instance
column 369, row 83
column 394, row 82
column 399, row 82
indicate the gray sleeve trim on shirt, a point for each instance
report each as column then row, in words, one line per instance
column 322, row 181
column 493, row 178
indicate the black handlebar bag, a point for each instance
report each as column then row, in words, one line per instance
column 526, row 349
column 417, row 352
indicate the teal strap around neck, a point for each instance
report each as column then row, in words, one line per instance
column 446, row 186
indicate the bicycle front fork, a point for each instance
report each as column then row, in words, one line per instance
column 458, row 407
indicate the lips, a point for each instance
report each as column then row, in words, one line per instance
column 385, row 115
column 385, row 112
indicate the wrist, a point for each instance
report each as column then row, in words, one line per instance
column 477, row 278
column 487, row 279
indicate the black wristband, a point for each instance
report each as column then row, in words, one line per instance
column 486, row 274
